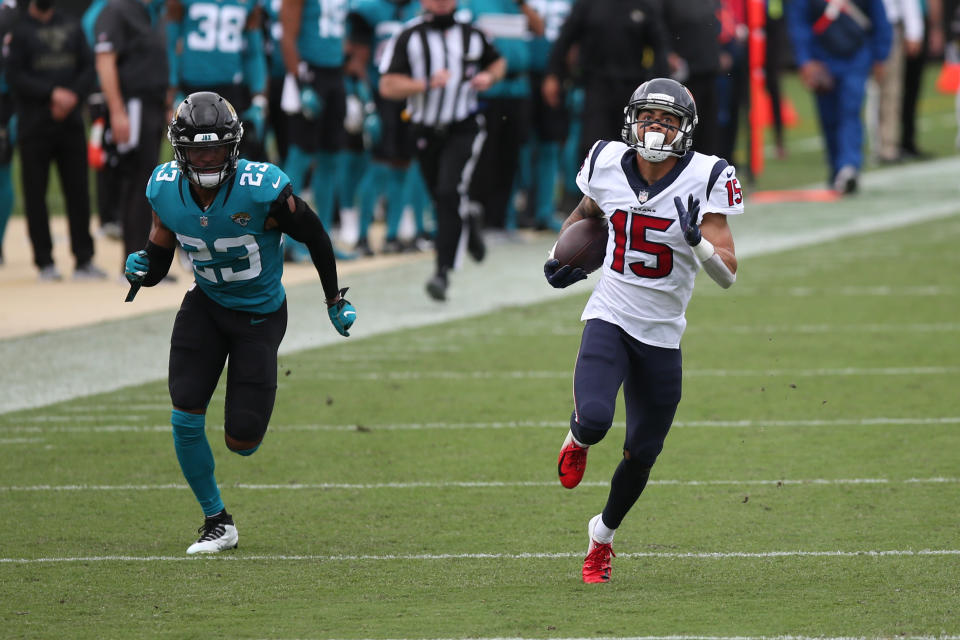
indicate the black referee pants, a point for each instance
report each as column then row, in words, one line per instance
column 448, row 158
column 508, row 125
column 65, row 144
column 134, row 169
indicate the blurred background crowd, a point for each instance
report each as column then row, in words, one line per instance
column 89, row 88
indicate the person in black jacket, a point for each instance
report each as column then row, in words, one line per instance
column 50, row 69
column 622, row 45
column 695, row 61
column 131, row 63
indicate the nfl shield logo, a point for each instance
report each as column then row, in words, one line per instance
column 642, row 196
column 203, row 220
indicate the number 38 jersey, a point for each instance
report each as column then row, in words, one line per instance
column 236, row 262
column 649, row 269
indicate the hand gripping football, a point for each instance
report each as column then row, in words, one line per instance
column 583, row 244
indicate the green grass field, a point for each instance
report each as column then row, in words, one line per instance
column 407, row 486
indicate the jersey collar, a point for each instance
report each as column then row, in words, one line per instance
column 628, row 161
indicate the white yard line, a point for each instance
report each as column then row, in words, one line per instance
column 518, row 424
column 346, row 486
column 341, row 374
column 711, row 555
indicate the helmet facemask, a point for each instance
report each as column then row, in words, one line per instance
column 652, row 145
column 218, row 127
column 207, row 176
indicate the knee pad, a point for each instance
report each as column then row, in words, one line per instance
column 245, row 426
column 594, row 415
column 636, row 469
column 585, row 435
column 644, row 453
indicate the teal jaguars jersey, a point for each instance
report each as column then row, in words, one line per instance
column 275, row 49
column 554, row 14
column 507, row 28
column 236, row 262
column 387, row 19
column 323, row 25
column 213, row 41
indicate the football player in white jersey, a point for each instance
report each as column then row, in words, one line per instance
column 649, row 188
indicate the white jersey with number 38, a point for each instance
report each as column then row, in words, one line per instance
column 648, row 273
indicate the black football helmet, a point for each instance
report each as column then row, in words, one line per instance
column 205, row 119
column 667, row 95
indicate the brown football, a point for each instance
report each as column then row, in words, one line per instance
column 583, row 244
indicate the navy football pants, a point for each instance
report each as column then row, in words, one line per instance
column 651, row 378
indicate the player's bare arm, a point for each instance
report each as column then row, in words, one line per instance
column 290, row 15
column 714, row 228
column 587, row 208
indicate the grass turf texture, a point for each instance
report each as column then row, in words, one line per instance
column 810, row 347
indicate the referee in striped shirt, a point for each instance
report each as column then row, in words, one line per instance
column 438, row 65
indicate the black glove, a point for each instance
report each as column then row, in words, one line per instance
column 688, row 219
column 562, row 277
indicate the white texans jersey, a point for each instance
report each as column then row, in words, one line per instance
column 648, row 273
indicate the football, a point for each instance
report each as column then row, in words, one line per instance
column 583, row 244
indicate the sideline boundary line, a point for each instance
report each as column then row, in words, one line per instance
column 707, row 555
column 323, row 486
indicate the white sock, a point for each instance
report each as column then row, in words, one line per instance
column 570, row 438
column 601, row 532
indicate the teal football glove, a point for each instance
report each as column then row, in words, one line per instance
column 137, row 266
column 255, row 116
column 372, row 130
column 342, row 314
column 310, row 103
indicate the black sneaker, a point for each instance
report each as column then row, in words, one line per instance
column 363, row 248
column 216, row 534
column 475, row 245
column 437, row 287
column 392, row 245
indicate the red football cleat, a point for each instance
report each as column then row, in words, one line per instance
column 572, row 462
column 597, row 566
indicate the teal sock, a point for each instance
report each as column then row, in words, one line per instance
column 548, row 163
column 196, row 459
column 246, row 452
column 395, row 200
column 350, row 171
column 296, row 166
column 323, row 185
column 6, row 200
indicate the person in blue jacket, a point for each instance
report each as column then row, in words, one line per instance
column 836, row 45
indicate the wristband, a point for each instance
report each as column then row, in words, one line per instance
column 703, row 249
column 259, row 100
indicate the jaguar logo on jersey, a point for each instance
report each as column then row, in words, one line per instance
column 241, row 218
column 642, row 196
column 204, row 221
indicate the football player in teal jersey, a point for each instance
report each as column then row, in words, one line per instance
column 217, row 45
column 228, row 214
column 314, row 94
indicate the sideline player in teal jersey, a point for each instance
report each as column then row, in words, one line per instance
column 218, row 46
column 227, row 214
column 314, row 94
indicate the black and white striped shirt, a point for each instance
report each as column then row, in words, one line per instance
column 421, row 49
